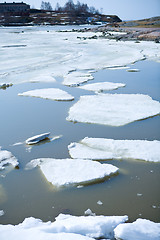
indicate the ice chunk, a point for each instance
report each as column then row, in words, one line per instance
column 140, row 229
column 102, row 148
column 133, row 70
column 76, row 77
column 99, row 202
column 63, row 172
column 102, row 86
column 49, row 93
column 37, row 138
column 6, row 158
column 65, row 227
column 113, row 109
column 89, row 212
column 1, row 213
column 91, row 226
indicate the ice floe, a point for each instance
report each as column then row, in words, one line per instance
column 102, row 86
column 102, row 148
column 7, row 158
column 76, row 77
column 37, row 138
column 141, row 229
column 49, row 93
column 66, row 227
column 64, row 172
column 113, row 109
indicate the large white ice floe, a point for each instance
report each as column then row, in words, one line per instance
column 37, row 138
column 141, row 229
column 76, row 77
column 6, row 158
column 102, row 86
column 102, row 148
column 113, row 109
column 65, row 227
column 49, row 93
column 64, row 172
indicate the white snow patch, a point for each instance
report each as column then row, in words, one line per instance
column 141, row 229
column 76, row 77
column 102, row 148
column 64, row 172
column 1, row 213
column 49, row 93
column 102, row 86
column 6, row 158
column 113, row 109
column 37, row 138
column 65, row 227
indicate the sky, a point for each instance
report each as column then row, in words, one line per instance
column 125, row 9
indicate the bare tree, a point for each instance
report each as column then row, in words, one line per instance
column 46, row 6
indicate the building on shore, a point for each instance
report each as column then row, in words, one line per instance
column 14, row 8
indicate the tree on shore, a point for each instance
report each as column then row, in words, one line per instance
column 46, row 6
column 76, row 9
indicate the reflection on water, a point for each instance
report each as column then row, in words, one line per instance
column 135, row 191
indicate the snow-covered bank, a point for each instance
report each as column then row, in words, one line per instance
column 50, row 54
column 113, row 109
column 101, row 148
column 49, row 93
column 64, row 172
column 7, row 158
column 65, row 227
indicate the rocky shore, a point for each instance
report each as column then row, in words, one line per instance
column 140, row 30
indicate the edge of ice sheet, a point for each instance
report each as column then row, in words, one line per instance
column 49, row 93
column 140, row 229
column 102, row 86
column 65, row 227
column 6, row 158
column 113, row 109
column 65, row 172
column 37, row 138
column 75, row 78
column 102, row 148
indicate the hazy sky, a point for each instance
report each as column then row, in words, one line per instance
column 125, row 9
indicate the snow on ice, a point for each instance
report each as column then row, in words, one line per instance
column 102, row 148
column 6, row 158
column 141, row 229
column 49, row 93
column 103, row 86
column 65, row 227
column 64, row 172
column 113, row 109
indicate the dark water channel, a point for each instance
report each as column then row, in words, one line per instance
column 135, row 191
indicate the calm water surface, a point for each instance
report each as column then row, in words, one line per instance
column 135, row 191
